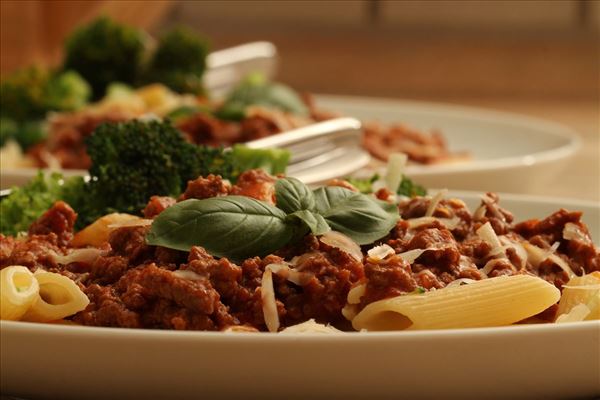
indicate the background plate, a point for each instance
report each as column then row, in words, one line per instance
column 530, row 361
column 510, row 152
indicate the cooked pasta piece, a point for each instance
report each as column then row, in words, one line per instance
column 58, row 297
column 18, row 290
column 580, row 299
column 490, row 302
column 97, row 233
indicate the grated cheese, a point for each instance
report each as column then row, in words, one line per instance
column 87, row 255
column 433, row 203
column 449, row 223
column 378, row 253
column 269, row 305
column 487, row 233
column 342, row 242
column 283, row 270
column 187, row 274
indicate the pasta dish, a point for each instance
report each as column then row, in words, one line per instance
column 267, row 253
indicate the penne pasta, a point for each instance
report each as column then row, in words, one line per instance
column 97, row 233
column 490, row 302
column 58, row 297
column 18, row 291
column 580, row 299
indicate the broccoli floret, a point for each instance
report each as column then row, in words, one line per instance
column 8, row 129
column 407, row 187
column 30, row 133
column 135, row 160
column 410, row 189
column 22, row 93
column 145, row 157
column 66, row 91
column 364, row 185
column 27, row 203
column 31, row 92
column 179, row 61
column 104, row 52
column 256, row 90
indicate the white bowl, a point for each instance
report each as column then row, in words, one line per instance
column 509, row 152
column 530, row 361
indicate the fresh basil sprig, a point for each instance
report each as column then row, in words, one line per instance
column 228, row 226
column 239, row 227
column 361, row 217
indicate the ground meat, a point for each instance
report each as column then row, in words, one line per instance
column 257, row 127
column 421, row 147
column 106, row 309
column 204, row 188
column 256, row 183
column 387, row 278
column 67, row 133
column 158, row 204
column 442, row 249
column 130, row 242
column 499, row 218
column 208, row 130
column 59, row 219
column 36, row 251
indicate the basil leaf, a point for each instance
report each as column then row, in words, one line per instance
column 236, row 227
column 315, row 222
column 293, row 195
column 361, row 217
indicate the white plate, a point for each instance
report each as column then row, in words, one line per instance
column 530, row 361
column 510, row 152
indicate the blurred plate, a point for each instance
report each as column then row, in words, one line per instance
column 510, row 152
column 527, row 361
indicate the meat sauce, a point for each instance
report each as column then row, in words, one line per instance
column 134, row 285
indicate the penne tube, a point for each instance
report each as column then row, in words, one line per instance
column 18, row 291
column 579, row 292
column 98, row 232
column 498, row 301
column 58, row 297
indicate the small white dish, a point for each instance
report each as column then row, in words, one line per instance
column 550, row 361
column 509, row 152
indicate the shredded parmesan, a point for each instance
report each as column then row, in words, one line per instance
column 283, row 270
column 449, row 223
column 486, row 232
column 479, row 213
column 433, row 203
column 577, row 313
column 518, row 247
column 573, row 231
column 187, row 274
column 378, row 253
column 87, row 255
column 411, row 255
column 493, row 207
column 310, row 326
column 130, row 223
column 342, row 242
column 537, row 255
column 395, row 169
column 490, row 265
column 269, row 305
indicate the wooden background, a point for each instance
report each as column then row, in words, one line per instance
column 534, row 57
